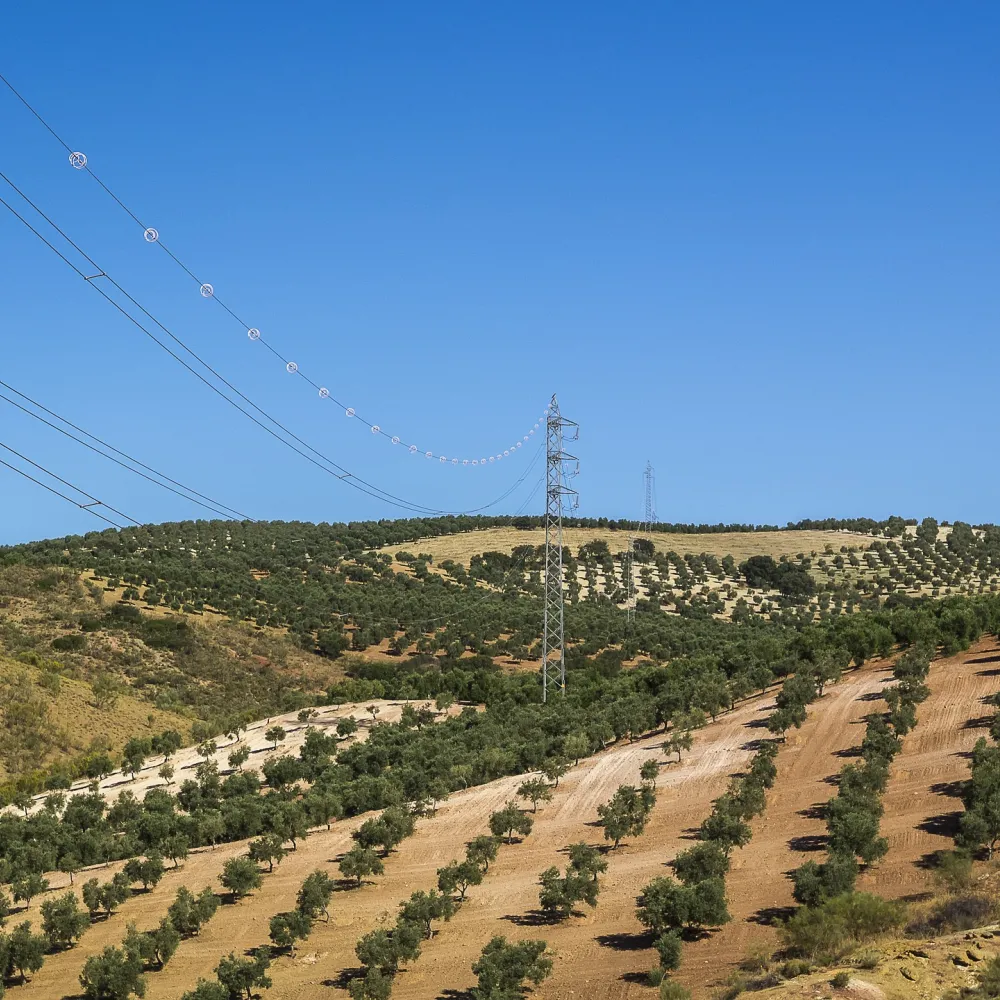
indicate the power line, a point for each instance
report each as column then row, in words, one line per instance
column 215, row 506
column 79, row 161
column 88, row 507
column 342, row 474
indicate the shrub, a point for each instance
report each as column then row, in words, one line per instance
column 757, row 959
column 826, row 932
column 669, row 990
column 960, row 913
column 868, row 959
column 840, row 980
column 794, row 968
column 953, row 871
column 988, row 978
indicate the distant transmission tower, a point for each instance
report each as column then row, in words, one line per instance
column 649, row 480
column 629, row 567
column 649, row 483
column 558, row 430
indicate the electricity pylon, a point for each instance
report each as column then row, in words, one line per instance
column 558, row 430
column 649, row 481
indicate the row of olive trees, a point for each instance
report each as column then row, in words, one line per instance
column 382, row 952
column 853, row 816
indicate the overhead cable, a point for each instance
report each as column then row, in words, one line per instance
column 80, row 161
column 185, row 492
column 320, row 460
column 88, row 507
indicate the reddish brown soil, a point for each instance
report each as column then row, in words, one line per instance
column 921, row 803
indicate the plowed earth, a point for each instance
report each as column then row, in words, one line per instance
column 601, row 953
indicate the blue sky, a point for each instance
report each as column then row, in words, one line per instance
column 753, row 243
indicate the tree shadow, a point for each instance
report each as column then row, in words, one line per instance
column 987, row 673
column 456, row 995
column 943, row 825
column 755, row 724
column 950, row 789
column 927, row 862
column 636, row 978
column 626, row 942
column 985, row 659
column 854, row 751
column 816, row 811
column 808, row 843
column 870, row 696
column 348, row 884
column 982, row 722
column 344, row 978
column 766, row 916
column 533, row 918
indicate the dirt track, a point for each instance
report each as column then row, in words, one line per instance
column 601, row 954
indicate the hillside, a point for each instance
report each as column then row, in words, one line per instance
column 603, row 953
column 195, row 619
column 687, row 730
column 81, row 673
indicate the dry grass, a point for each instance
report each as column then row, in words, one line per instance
column 73, row 720
column 740, row 545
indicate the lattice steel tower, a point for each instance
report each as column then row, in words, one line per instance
column 628, row 568
column 558, row 430
column 649, row 480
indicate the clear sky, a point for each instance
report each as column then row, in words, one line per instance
column 755, row 243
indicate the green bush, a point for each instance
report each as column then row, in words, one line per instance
column 959, row 913
column 868, row 959
column 71, row 643
column 794, row 968
column 669, row 990
column 828, row 931
column 840, row 980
